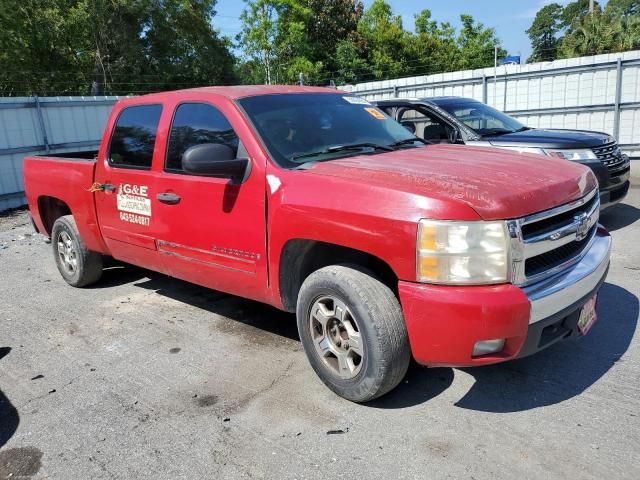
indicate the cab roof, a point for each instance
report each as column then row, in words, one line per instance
column 241, row 91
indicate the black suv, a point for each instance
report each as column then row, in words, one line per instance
column 470, row 122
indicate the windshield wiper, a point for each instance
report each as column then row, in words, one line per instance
column 408, row 141
column 344, row 148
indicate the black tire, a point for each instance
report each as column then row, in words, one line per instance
column 380, row 323
column 87, row 268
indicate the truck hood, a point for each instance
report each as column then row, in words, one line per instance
column 551, row 138
column 497, row 184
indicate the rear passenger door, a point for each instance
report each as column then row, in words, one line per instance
column 211, row 231
column 124, row 206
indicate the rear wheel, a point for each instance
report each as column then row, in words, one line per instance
column 77, row 265
column 353, row 332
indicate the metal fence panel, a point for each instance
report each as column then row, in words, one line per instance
column 32, row 125
column 600, row 93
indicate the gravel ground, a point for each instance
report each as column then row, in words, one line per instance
column 143, row 376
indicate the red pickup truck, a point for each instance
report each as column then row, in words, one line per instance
column 316, row 202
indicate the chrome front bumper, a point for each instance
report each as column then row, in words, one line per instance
column 554, row 294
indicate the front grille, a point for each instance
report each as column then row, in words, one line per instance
column 548, row 242
column 556, row 257
column 610, row 155
column 546, row 225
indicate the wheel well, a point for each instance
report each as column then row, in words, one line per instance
column 51, row 209
column 300, row 258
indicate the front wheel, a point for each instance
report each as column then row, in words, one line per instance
column 353, row 332
column 77, row 265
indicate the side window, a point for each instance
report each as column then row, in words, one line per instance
column 193, row 124
column 420, row 123
column 134, row 137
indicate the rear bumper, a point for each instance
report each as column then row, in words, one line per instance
column 445, row 322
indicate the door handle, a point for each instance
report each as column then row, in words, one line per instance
column 101, row 187
column 169, row 198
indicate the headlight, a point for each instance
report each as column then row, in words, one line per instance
column 462, row 253
column 584, row 154
column 539, row 151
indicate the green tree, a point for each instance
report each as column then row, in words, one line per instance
column 630, row 32
column 275, row 40
column 433, row 47
column 351, row 61
column 623, row 7
column 545, row 33
column 258, row 38
column 387, row 40
column 572, row 31
column 477, row 44
column 423, row 23
column 589, row 35
column 330, row 23
column 37, row 53
column 575, row 11
column 109, row 46
column 181, row 46
column 601, row 32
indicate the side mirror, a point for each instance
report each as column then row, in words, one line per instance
column 214, row 160
column 454, row 136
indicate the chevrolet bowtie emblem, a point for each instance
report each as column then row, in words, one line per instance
column 582, row 228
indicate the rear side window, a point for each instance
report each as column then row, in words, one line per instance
column 194, row 124
column 134, row 137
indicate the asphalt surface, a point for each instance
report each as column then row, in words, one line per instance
column 144, row 376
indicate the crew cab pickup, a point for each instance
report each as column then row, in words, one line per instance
column 318, row 203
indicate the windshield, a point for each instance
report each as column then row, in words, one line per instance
column 298, row 128
column 483, row 119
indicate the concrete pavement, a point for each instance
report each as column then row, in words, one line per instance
column 144, row 376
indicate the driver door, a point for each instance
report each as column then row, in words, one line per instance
column 212, row 232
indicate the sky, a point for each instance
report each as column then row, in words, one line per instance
column 510, row 18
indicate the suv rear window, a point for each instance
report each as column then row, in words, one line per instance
column 134, row 137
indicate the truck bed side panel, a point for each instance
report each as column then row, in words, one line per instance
column 68, row 180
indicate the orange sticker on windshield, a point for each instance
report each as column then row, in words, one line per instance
column 375, row 113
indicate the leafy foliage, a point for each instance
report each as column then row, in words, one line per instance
column 601, row 32
column 573, row 31
column 341, row 41
column 51, row 47
column 283, row 38
column 544, row 33
column 56, row 47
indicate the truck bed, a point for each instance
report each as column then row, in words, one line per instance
column 60, row 184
